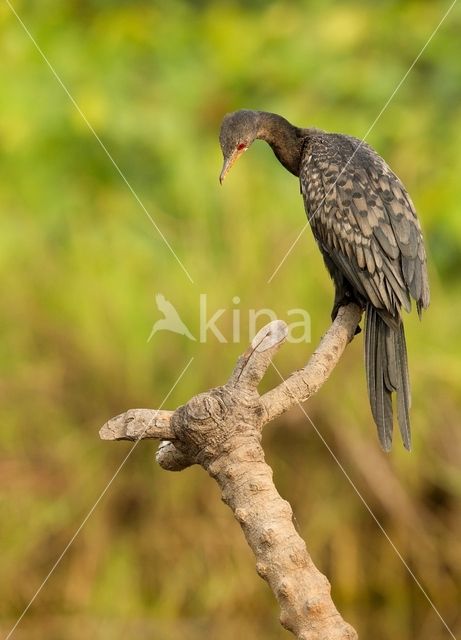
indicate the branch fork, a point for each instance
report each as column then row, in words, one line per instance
column 221, row 431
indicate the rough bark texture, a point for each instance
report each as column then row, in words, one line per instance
column 221, row 431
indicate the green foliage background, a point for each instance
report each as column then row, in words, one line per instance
column 80, row 263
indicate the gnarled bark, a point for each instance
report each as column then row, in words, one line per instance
column 221, row 431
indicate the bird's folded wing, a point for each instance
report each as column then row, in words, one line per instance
column 364, row 219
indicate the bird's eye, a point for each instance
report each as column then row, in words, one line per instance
column 241, row 146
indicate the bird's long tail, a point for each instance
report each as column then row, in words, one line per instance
column 387, row 371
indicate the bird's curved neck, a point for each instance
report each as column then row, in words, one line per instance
column 285, row 139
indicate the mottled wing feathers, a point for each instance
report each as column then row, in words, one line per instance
column 364, row 220
column 406, row 229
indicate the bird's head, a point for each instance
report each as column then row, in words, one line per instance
column 238, row 130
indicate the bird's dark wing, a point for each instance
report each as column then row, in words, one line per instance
column 364, row 220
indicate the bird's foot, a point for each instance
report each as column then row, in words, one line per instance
column 342, row 301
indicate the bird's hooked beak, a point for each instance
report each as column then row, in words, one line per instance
column 229, row 161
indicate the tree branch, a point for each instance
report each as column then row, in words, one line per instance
column 221, row 430
column 137, row 424
column 302, row 384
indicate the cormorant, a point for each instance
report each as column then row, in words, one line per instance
column 366, row 227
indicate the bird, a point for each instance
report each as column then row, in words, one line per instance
column 366, row 227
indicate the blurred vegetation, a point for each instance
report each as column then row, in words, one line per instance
column 80, row 262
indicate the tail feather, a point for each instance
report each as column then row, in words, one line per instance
column 387, row 372
column 404, row 393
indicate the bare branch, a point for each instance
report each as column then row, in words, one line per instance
column 302, row 384
column 221, row 431
column 252, row 366
column 137, row 424
column 170, row 459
